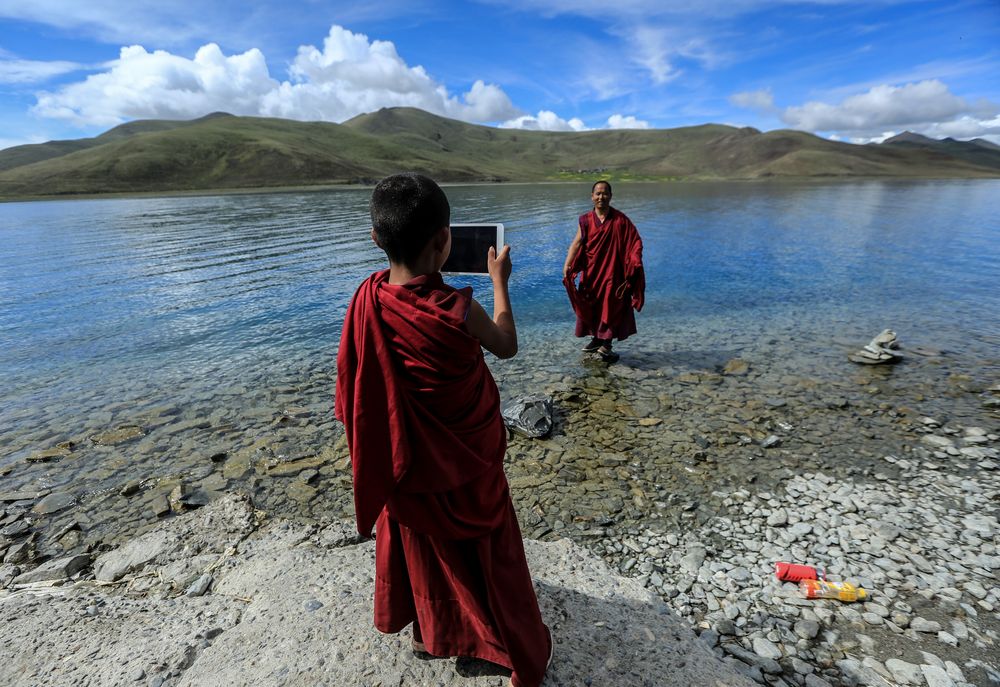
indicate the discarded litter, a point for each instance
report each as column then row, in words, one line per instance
column 528, row 415
column 793, row 572
column 841, row 591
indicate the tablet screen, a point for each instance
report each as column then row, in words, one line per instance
column 470, row 245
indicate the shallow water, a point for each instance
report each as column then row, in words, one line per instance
column 211, row 323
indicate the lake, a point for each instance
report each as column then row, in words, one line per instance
column 165, row 337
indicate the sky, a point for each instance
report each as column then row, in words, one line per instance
column 856, row 71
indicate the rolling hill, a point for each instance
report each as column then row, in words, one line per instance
column 222, row 151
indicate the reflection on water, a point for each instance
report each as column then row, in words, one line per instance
column 214, row 320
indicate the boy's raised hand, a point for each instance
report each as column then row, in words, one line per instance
column 499, row 266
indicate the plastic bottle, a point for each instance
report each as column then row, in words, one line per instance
column 823, row 589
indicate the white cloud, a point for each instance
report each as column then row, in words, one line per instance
column 34, row 71
column 350, row 75
column 550, row 121
column 617, row 121
column 544, row 121
column 652, row 51
column 113, row 20
column 926, row 107
column 913, row 103
column 761, row 101
column 964, row 127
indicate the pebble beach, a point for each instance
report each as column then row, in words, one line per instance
column 691, row 478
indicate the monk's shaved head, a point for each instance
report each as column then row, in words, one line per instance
column 407, row 210
column 598, row 183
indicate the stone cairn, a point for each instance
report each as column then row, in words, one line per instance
column 879, row 351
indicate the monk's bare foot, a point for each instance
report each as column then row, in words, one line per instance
column 418, row 646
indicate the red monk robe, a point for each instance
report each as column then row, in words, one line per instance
column 612, row 280
column 422, row 416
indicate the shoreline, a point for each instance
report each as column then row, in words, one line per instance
column 922, row 543
column 672, row 478
column 320, row 188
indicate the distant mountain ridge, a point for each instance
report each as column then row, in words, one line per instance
column 222, row 151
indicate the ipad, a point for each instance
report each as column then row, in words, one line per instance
column 470, row 245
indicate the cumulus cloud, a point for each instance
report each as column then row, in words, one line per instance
column 14, row 71
column 617, row 121
column 348, row 76
column 761, row 101
column 927, row 107
column 913, row 103
column 544, row 121
column 550, row 121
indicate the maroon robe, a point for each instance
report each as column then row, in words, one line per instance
column 612, row 280
column 422, row 416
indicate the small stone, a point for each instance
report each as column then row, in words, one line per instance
column 138, row 674
column 777, row 518
column 736, row 367
column 18, row 553
column 934, row 441
column 806, row 629
column 56, row 570
column 54, row 503
column 907, row 673
column 919, row 624
column 976, row 589
column 117, row 436
column 771, row 441
column 7, row 575
column 130, row 487
column 947, row 638
column 313, row 604
column 16, row 529
column 199, row 586
column 936, row 677
column 766, row 648
column 725, row 626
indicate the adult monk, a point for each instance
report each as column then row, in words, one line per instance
column 422, row 417
column 607, row 254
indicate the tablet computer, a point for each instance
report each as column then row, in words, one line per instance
column 470, row 245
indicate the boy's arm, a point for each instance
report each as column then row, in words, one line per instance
column 497, row 335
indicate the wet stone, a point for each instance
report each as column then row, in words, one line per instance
column 17, row 529
column 117, row 436
column 54, row 503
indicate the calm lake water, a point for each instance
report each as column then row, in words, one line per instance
column 224, row 311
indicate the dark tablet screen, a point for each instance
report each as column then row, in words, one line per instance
column 470, row 245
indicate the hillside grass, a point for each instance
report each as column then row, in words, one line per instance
column 226, row 152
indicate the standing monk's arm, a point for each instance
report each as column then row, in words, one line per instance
column 497, row 335
column 574, row 248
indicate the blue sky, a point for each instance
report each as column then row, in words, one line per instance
column 854, row 71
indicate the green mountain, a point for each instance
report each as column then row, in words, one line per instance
column 222, row 151
column 977, row 151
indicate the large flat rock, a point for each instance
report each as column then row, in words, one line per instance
column 293, row 606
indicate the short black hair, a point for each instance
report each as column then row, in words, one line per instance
column 407, row 210
column 602, row 181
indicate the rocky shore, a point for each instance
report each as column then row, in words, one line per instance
column 219, row 596
column 690, row 472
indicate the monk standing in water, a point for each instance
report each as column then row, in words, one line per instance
column 607, row 254
column 422, row 417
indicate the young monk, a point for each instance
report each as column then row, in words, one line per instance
column 422, row 416
column 607, row 254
